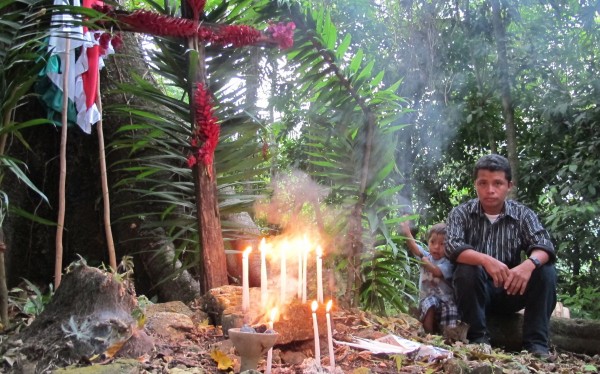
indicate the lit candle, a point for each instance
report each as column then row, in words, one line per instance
column 319, row 274
column 304, row 267
column 245, row 281
column 300, row 256
column 270, row 353
column 315, row 305
column 283, row 275
column 330, row 338
column 263, row 272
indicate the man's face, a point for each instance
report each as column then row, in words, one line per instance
column 492, row 188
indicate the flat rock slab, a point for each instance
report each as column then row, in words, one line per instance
column 295, row 322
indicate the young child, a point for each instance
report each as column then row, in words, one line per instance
column 436, row 296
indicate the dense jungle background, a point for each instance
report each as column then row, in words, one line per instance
column 375, row 115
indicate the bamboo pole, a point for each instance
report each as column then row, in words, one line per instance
column 63, row 169
column 3, row 286
column 103, row 177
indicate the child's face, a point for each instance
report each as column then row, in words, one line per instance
column 436, row 245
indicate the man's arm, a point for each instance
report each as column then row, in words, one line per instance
column 539, row 246
column 495, row 268
column 517, row 281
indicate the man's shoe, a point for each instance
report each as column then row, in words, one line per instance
column 540, row 353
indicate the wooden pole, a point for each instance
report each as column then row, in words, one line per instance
column 63, row 168
column 212, row 262
column 105, row 195
column 3, row 286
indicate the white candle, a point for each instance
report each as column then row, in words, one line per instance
column 270, row 353
column 264, row 291
column 283, row 274
column 319, row 274
column 330, row 338
column 300, row 256
column 245, row 281
column 304, row 267
column 315, row 305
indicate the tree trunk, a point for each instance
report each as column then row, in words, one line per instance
column 170, row 281
column 508, row 109
column 213, row 262
column 212, row 266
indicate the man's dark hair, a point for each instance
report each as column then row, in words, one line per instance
column 493, row 162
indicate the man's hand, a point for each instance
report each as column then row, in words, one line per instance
column 519, row 276
column 497, row 270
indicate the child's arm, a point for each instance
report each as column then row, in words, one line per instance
column 415, row 250
column 433, row 269
column 410, row 240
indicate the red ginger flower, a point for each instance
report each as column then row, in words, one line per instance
column 282, row 33
column 207, row 129
column 117, row 41
column 104, row 39
column 235, row 35
column 197, row 7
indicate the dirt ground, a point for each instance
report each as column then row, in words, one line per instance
column 199, row 352
column 194, row 346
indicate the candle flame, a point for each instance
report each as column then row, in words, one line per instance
column 273, row 314
column 329, row 303
column 314, row 305
column 247, row 251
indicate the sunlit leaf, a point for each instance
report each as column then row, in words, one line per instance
column 223, row 361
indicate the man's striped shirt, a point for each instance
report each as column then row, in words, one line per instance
column 516, row 229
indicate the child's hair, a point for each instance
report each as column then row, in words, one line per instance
column 438, row 228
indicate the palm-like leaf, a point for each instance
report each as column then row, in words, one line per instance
column 350, row 142
column 22, row 56
column 158, row 137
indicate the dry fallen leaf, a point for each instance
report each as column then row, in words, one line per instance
column 223, row 361
column 113, row 349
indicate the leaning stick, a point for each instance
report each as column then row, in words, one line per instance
column 105, row 196
column 63, row 169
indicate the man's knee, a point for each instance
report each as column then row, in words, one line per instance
column 545, row 277
column 542, row 284
column 467, row 274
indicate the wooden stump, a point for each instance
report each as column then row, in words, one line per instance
column 90, row 314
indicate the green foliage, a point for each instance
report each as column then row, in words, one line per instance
column 22, row 56
column 350, row 130
column 34, row 304
column 3, row 206
column 386, row 285
column 583, row 302
column 139, row 312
